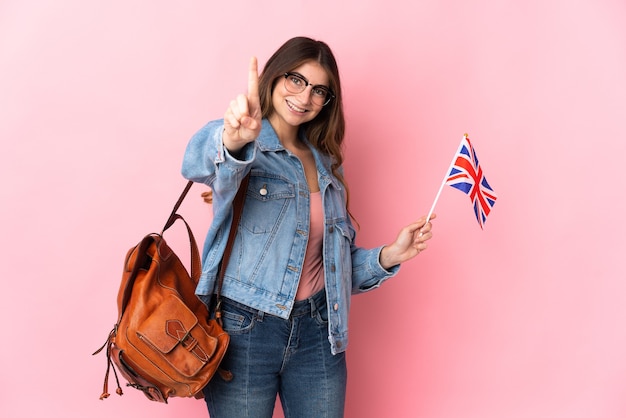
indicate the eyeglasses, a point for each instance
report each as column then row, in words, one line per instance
column 320, row 95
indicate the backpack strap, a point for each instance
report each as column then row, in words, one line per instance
column 172, row 218
column 237, row 210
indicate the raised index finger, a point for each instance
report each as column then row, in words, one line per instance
column 253, row 83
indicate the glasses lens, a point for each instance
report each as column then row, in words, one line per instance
column 294, row 83
column 320, row 95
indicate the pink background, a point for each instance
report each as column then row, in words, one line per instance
column 524, row 319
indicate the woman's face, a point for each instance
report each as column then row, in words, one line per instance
column 293, row 109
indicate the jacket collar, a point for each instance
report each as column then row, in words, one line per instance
column 268, row 141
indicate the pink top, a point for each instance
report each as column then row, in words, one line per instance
column 312, row 278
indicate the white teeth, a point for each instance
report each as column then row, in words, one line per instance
column 294, row 107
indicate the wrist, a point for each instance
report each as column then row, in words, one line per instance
column 233, row 148
column 387, row 259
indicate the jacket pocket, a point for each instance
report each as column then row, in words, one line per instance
column 267, row 200
column 343, row 240
column 345, row 230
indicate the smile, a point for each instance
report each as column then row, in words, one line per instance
column 295, row 108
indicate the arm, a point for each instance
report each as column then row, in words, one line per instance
column 373, row 267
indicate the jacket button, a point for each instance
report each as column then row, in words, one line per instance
column 331, row 229
column 332, row 268
column 336, row 306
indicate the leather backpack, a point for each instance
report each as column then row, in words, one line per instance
column 165, row 342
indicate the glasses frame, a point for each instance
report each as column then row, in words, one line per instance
column 329, row 97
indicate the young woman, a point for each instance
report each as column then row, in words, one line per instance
column 294, row 264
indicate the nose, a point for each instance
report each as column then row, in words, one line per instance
column 305, row 95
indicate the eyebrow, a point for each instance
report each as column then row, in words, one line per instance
column 307, row 80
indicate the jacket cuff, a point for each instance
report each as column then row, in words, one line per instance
column 234, row 163
column 377, row 271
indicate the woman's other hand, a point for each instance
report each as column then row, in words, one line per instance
column 410, row 242
column 207, row 196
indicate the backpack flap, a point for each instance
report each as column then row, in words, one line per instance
column 173, row 333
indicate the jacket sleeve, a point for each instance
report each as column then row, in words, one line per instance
column 367, row 272
column 207, row 161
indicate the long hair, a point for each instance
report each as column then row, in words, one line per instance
column 326, row 131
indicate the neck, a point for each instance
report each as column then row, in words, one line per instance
column 287, row 134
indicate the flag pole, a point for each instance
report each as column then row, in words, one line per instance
column 445, row 177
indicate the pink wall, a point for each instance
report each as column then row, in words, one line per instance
column 524, row 319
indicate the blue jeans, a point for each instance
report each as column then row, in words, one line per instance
column 269, row 355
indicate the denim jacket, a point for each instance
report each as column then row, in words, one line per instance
column 268, row 251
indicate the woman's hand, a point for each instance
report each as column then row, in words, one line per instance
column 242, row 120
column 410, row 242
column 207, row 196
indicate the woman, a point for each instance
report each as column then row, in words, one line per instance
column 294, row 263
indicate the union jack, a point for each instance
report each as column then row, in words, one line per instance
column 467, row 176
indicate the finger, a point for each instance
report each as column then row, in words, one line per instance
column 240, row 108
column 253, row 84
column 249, row 123
column 245, row 113
column 425, row 236
column 424, row 229
column 230, row 120
column 207, row 196
column 411, row 228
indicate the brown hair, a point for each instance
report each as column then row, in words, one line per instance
column 326, row 131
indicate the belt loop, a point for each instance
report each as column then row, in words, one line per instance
column 313, row 307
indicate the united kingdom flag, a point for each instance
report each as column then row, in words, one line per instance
column 467, row 176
